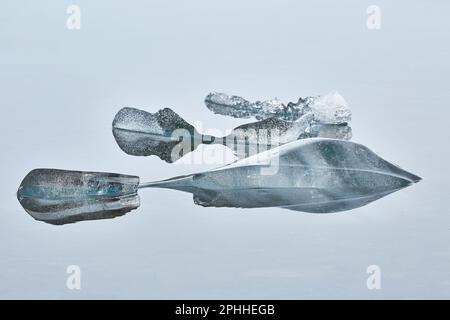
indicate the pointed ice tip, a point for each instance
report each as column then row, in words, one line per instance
column 411, row 177
column 416, row 178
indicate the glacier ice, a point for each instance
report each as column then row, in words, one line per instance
column 295, row 156
column 63, row 196
column 141, row 133
column 316, row 175
column 330, row 108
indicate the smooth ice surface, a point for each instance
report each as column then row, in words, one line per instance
column 330, row 108
column 63, row 196
column 312, row 175
column 141, row 133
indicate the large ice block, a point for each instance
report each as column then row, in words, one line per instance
column 315, row 175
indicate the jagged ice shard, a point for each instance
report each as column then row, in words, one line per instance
column 315, row 175
column 326, row 109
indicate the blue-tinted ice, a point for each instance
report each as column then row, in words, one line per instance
column 315, row 175
column 312, row 175
column 63, row 196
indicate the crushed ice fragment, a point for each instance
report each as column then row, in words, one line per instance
column 328, row 109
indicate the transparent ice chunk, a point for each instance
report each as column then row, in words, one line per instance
column 315, row 175
column 327, row 109
column 141, row 133
column 62, row 196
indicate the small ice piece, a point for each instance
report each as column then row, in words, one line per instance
column 140, row 133
column 234, row 106
column 327, row 109
column 62, row 196
column 331, row 109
